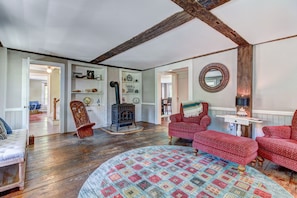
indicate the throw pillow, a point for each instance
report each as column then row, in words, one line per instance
column 192, row 108
column 7, row 127
column 3, row 133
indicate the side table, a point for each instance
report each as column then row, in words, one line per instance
column 239, row 120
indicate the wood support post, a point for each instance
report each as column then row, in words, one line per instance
column 245, row 78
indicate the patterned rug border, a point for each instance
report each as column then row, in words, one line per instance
column 87, row 189
column 122, row 130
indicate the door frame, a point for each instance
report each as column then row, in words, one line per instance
column 62, row 89
column 161, row 70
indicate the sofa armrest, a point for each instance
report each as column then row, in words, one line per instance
column 283, row 132
column 205, row 121
column 176, row 117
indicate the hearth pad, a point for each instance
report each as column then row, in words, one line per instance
column 122, row 130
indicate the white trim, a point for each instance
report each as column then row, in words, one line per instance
column 147, row 103
column 13, row 109
column 285, row 113
column 222, row 109
column 166, row 68
column 62, row 67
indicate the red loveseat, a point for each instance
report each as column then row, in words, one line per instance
column 185, row 127
column 279, row 145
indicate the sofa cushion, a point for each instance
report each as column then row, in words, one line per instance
column 7, row 127
column 283, row 147
column 240, row 146
column 186, row 127
column 13, row 148
column 294, row 126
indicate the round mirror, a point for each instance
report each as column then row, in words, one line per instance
column 214, row 77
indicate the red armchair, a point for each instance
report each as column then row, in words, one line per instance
column 279, row 144
column 185, row 127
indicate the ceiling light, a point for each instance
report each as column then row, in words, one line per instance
column 49, row 70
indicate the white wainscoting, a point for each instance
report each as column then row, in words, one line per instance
column 269, row 118
column 14, row 118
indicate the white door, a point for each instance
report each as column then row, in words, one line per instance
column 25, row 93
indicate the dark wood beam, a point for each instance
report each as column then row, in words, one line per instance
column 161, row 28
column 196, row 9
column 245, row 80
column 1, row 44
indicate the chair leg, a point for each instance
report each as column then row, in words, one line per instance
column 170, row 140
column 195, row 151
column 260, row 160
column 241, row 168
column 253, row 163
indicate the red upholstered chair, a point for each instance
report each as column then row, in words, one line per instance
column 81, row 119
column 279, row 144
column 185, row 127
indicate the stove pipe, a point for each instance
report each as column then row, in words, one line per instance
column 117, row 91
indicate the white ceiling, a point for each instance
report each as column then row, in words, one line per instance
column 86, row 29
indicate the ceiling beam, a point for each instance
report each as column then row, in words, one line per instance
column 197, row 10
column 164, row 26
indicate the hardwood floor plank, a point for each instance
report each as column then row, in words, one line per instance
column 59, row 164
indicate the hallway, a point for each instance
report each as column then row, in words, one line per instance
column 41, row 124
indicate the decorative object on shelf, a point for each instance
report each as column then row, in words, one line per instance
column 124, row 90
column 98, row 101
column 129, row 77
column 77, row 91
column 80, row 76
column 87, row 101
column 136, row 91
column 242, row 102
column 88, row 90
column 136, row 100
column 136, row 80
column 123, row 99
column 130, row 88
column 94, row 90
column 90, row 74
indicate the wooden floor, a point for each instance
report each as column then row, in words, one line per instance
column 59, row 164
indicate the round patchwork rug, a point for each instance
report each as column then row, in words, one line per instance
column 173, row 171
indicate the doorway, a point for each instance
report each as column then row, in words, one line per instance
column 44, row 97
column 178, row 89
column 166, row 96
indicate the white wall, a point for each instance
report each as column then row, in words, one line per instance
column 226, row 97
column 275, row 76
column 3, row 74
column 35, row 90
column 182, row 87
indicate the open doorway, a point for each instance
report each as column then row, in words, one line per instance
column 173, row 88
column 166, row 96
column 44, row 97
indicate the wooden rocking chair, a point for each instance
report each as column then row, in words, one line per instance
column 81, row 119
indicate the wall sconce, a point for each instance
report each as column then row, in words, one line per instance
column 242, row 102
column 49, row 70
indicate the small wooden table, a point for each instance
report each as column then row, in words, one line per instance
column 239, row 120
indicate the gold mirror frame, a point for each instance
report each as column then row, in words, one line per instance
column 214, row 66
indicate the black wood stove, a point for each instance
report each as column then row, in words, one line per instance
column 121, row 114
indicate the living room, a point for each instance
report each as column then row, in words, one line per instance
column 272, row 89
